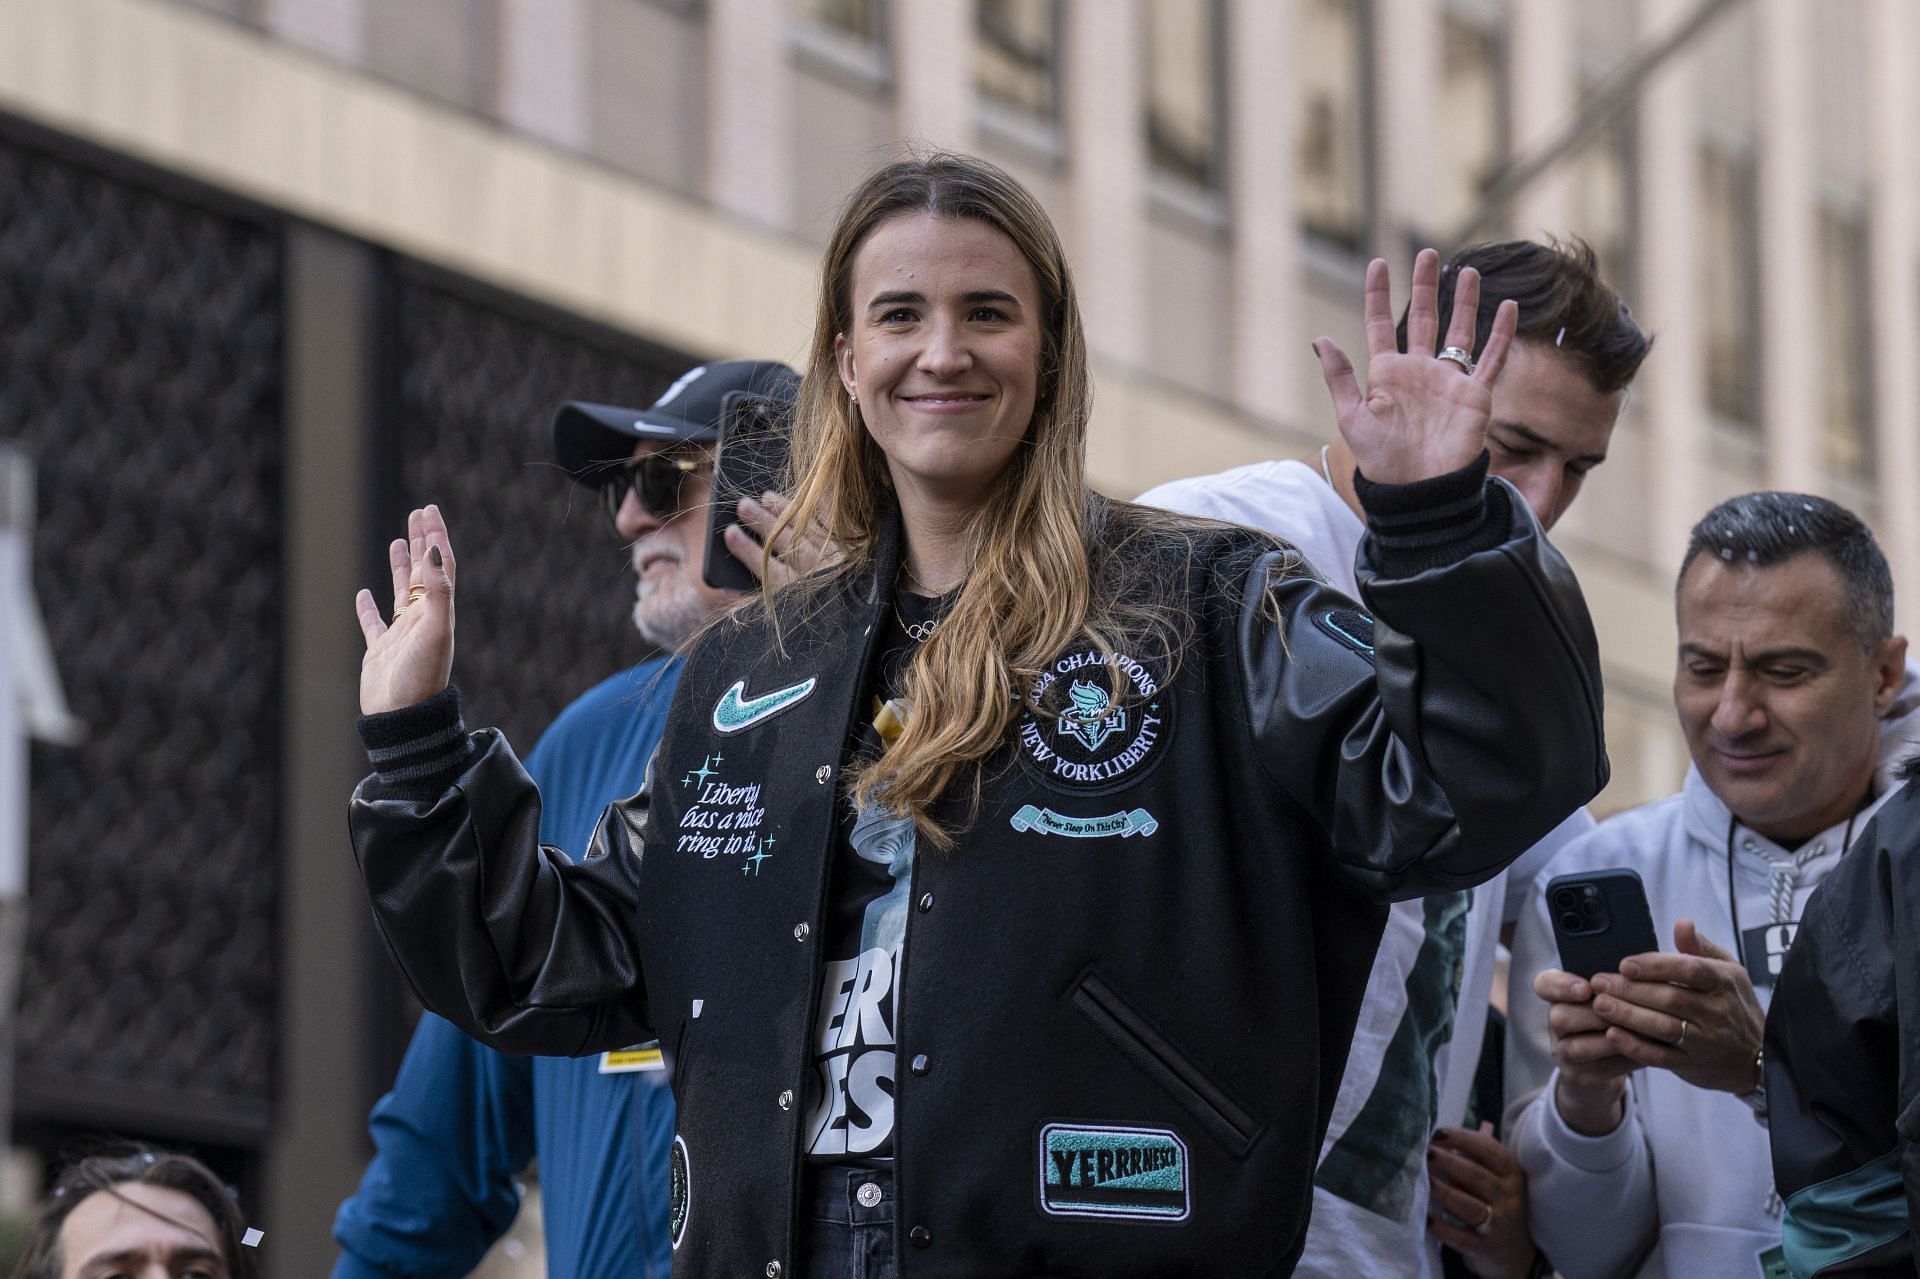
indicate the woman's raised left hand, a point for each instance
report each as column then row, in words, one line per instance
column 1421, row 415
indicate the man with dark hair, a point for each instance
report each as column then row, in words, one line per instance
column 1379, row 1210
column 135, row 1211
column 1843, row 1043
column 1633, row 1089
column 463, row 1120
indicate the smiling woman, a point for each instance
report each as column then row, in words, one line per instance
column 1165, row 780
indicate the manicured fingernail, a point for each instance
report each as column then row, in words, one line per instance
column 433, row 553
column 1316, row 350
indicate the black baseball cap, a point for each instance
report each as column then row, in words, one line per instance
column 588, row 436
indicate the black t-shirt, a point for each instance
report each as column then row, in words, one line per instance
column 850, row 1092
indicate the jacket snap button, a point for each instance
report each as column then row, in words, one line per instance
column 926, row 902
column 786, row 1099
column 920, row 1237
column 920, row 1065
column 800, row 931
column 821, row 774
column 773, row 1270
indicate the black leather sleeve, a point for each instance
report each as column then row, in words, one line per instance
column 1832, row 1028
column 505, row 938
column 1842, row 1039
column 1439, row 731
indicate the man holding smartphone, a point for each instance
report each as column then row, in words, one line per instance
column 1635, row 1092
column 463, row 1120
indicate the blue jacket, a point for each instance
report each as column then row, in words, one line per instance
column 463, row 1120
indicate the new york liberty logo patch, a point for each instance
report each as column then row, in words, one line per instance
column 679, row 1191
column 1091, row 736
column 1089, row 1170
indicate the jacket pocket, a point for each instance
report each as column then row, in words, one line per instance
column 1224, row 1119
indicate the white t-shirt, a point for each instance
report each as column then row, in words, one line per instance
column 1417, row 1043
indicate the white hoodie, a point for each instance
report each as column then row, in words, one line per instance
column 1683, row 1187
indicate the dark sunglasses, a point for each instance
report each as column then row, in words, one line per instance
column 655, row 478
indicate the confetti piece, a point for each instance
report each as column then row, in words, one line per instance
column 252, row 1238
column 698, row 1004
column 1563, row 336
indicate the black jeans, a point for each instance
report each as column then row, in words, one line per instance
column 846, row 1225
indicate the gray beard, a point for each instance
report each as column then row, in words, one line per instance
column 665, row 619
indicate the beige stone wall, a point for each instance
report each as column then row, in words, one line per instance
column 670, row 168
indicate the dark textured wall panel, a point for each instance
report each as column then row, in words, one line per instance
column 140, row 365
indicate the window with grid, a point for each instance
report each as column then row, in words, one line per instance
column 1727, row 283
column 1016, row 45
column 1184, row 90
column 1472, row 142
column 1603, row 195
column 1846, row 369
column 1330, row 68
column 863, row 21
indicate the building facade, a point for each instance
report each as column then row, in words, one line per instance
column 417, row 192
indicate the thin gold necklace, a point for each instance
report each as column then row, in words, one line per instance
column 918, row 632
column 913, row 579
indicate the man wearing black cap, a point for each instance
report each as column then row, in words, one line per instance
column 463, row 1120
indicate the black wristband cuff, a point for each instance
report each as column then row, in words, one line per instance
column 1433, row 522
column 421, row 747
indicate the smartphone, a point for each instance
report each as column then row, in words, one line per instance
column 1599, row 918
column 750, row 459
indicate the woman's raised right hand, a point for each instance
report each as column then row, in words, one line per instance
column 411, row 658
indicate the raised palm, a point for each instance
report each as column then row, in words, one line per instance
column 411, row 658
column 1420, row 416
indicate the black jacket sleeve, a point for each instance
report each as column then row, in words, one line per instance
column 1843, row 1049
column 439, row 889
column 1442, row 731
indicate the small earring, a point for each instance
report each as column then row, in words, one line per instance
column 853, row 396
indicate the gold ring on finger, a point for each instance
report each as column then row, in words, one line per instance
column 417, row 594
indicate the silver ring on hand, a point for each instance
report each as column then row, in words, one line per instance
column 1458, row 355
column 1485, row 1227
column 1683, row 1033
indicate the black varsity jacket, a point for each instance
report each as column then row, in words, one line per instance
column 1127, row 994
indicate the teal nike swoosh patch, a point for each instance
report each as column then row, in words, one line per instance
column 733, row 712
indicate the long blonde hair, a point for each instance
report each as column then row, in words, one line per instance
column 1029, row 591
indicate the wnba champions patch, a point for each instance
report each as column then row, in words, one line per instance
column 1128, row 1173
column 679, row 1191
column 1093, row 737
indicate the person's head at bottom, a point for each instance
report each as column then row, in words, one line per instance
column 132, row 1212
column 653, row 471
